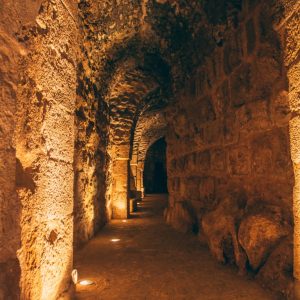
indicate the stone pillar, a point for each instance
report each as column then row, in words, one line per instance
column 140, row 186
column 295, row 153
column 45, row 151
column 290, row 30
column 120, row 178
column 133, row 176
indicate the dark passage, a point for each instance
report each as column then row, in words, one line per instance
column 155, row 173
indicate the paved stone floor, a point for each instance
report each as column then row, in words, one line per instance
column 153, row 261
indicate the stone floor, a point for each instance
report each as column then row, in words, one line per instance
column 152, row 261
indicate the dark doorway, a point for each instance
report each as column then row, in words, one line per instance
column 155, row 171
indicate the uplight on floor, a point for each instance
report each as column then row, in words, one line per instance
column 86, row 282
column 115, row 240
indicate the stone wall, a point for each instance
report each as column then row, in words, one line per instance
column 229, row 165
column 83, row 90
column 90, row 160
column 288, row 27
column 45, row 149
column 11, row 51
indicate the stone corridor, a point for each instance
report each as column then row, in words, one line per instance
column 104, row 101
column 154, row 262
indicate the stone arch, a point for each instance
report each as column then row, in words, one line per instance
column 151, row 126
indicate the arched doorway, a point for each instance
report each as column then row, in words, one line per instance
column 155, row 172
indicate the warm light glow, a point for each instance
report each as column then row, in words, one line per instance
column 74, row 276
column 86, row 282
column 124, row 221
column 120, row 205
column 115, row 240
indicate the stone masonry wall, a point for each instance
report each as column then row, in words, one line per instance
column 45, row 149
column 10, row 53
column 289, row 29
column 90, row 160
column 229, row 166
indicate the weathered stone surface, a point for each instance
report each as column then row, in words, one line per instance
column 207, row 191
column 203, row 160
column 271, row 153
column 251, row 104
column 281, row 112
column 219, row 160
column 180, row 217
column 231, row 134
column 87, row 87
column 219, row 227
column 222, row 98
column 292, row 41
column 260, row 231
column 241, row 86
column 277, row 273
column 239, row 160
column 251, row 36
column 232, row 53
column 44, row 140
column 9, row 279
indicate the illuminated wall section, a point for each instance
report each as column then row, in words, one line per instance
column 119, row 191
column 289, row 29
column 10, row 53
column 45, row 149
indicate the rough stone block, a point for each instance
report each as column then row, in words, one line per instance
column 293, row 74
column 232, row 53
column 266, row 32
column 200, row 82
column 54, row 188
column 263, row 82
column 202, row 111
column 181, row 217
column 273, row 189
column 253, row 117
column 207, row 191
column 218, row 160
column 58, row 133
column 292, row 33
column 239, row 160
column 260, row 231
column 241, row 88
column 218, row 63
column 251, row 36
column 230, row 129
column 181, row 164
column 295, row 139
column 280, row 108
column 213, row 133
column 192, row 187
column 277, row 273
column 222, row 99
column 262, row 155
column 219, row 227
column 7, row 119
column 203, row 161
